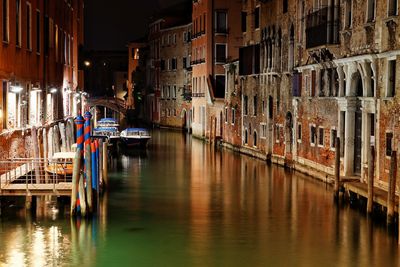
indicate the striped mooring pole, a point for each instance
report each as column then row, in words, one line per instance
column 87, row 129
column 79, row 121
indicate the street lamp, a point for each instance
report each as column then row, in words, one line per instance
column 16, row 89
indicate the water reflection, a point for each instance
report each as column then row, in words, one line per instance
column 183, row 203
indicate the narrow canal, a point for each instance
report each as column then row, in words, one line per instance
column 184, row 204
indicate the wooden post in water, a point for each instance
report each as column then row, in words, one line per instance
column 392, row 188
column 45, row 154
column 337, row 168
column 36, row 154
column 371, row 174
column 105, row 164
column 82, row 197
column 75, row 179
column 88, row 172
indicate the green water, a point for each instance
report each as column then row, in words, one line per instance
column 185, row 204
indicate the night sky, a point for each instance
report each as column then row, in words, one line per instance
column 110, row 25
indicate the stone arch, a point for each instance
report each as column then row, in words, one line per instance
column 356, row 85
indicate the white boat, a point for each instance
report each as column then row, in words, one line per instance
column 135, row 137
column 107, row 127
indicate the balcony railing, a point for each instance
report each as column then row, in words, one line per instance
column 198, row 94
column 322, row 27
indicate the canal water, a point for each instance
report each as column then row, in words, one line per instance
column 182, row 203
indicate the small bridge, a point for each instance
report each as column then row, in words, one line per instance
column 113, row 103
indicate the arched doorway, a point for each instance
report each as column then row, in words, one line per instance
column 184, row 120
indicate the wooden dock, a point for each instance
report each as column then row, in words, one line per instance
column 27, row 177
column 361, row 189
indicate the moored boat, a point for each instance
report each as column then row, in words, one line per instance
column 107, row 127
column 135, row 137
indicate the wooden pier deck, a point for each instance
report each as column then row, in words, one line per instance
column 19, row 178
column 361, row 189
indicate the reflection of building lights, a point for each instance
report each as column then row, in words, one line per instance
column 1, row 113
column 16, row 89
column 36, row 89
column 53, row 90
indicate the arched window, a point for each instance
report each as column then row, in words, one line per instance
column 245, row 137
column 255, row 138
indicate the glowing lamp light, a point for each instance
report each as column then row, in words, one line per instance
column 53, row 90
column 16, row 89
column 87, row 63
column 36, row 89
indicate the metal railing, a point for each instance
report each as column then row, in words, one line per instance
column 44, row 174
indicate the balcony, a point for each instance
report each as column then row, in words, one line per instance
column 198, row 94
column 322, row 27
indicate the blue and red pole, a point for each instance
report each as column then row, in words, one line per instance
column 87, row 128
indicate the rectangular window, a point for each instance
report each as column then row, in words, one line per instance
column 18, row 22
column 257, row 18
column 220, row 53
column 313, row 82
column 28, row 26
column 255, row 105
column 285, row 6
column 370, row 10
column 184, row 62
column 348, row 18
column 333, row 138
column 392, row 8
column 221, row 22
column 226, row 115
column 313, row 135
column 299, row 133
column 173, row 64
column 38, row 43
column 391, row 85
column 233, row 116
column 263, row 130
column 321, row 135
column 219, row 86
column 244, row 21
column 389, row 143
column 246, row 105
column 6, row 31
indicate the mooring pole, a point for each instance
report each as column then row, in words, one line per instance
column 105, row 164
column 337, row 168
column 371, row 174
column 392, row 188
column 88, row 172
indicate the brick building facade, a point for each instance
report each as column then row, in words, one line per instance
column 176, row 76
column 216, row 39
column 38, row 66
